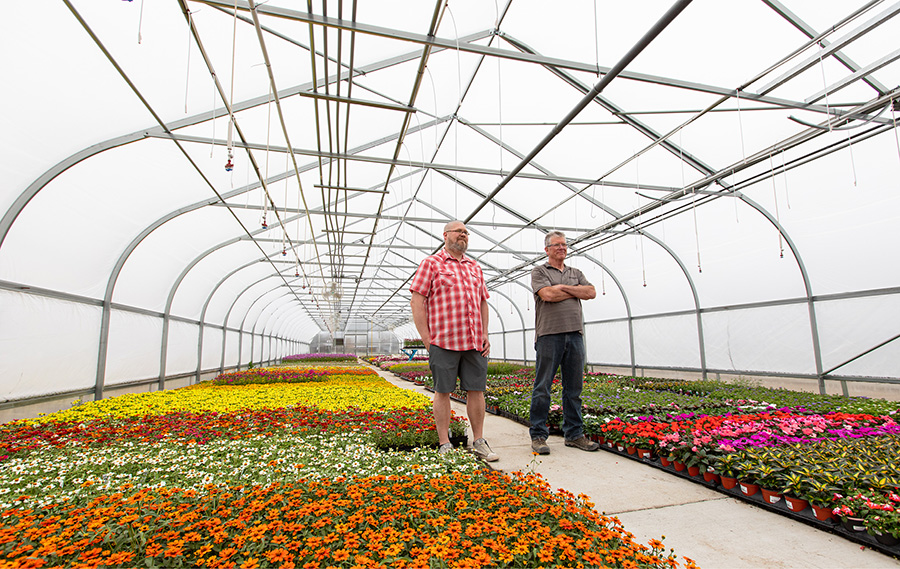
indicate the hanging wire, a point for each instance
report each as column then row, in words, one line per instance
column 784, row 176
column 736, row 218
column 140, row 22
column 229, row 165
column 286, row 166
column 499, row 111
column 596, row 39
column 268, row 135
column 212, row 143
column 894, row 120
column 640, row 218
column 896, row 136
column 265, row 203
column 696, row 232
column 602, row 274
column 187, row 74
column 425, row 171
column 522, row 248
column 824, row 84
column 637, row 193
column 436, row 138
column 458, row 104
column 741, row 125
column 852, row 161
column 777, row 217
column 284, row 234
column 693, row 202
column 247, row 186
column 285, row 237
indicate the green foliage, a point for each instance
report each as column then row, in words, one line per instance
column 409, row 366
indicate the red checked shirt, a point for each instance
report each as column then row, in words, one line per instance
column 453, row 292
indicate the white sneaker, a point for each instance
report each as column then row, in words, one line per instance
column 445, row 448
column 482, row 450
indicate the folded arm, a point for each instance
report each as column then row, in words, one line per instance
column 557, row 293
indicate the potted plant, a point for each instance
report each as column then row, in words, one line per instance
column 853, row 509
column 612, row 431
column 746, row 470
column 820, row 495
column 767, row 476
column 792, row 486
column 883, row 521
column 724, row 465
column 692, row 458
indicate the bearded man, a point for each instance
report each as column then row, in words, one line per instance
column 450, row 311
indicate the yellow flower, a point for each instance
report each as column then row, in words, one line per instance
column 347, row 387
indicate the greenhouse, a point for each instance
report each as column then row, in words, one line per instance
column 199, row 188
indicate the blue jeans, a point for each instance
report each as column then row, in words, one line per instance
column 564, row 351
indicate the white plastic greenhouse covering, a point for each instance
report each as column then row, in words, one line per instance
column 727, row 174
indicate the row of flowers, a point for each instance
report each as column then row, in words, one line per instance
column 397, row 427
column 315, row 358
column 233, row 476
column 458, row 520
column 270, row 375
column 606, row 397
column 807, row 446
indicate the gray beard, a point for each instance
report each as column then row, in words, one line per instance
column 457, row 247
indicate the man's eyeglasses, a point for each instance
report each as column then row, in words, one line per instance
column 460, row 231
column 557, row 246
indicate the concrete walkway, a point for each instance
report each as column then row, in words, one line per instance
column 715, row 530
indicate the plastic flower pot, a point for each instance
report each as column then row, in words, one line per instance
column 711, row 477
column 822, row 513
column 664, row 460
column 853, row 525
column 748, row 488
column 679, row 466
column 644, row 453
column 728, row 482
column 795, row 504
column 770, row 496
column 631, row 450
column 885, row 538
column 694, row 470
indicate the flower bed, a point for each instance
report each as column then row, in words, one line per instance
column 805, row 445
column 458, row 520
column 270, row 375
column 280, row 475
column 312, row 358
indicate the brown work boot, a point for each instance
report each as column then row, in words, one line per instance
column 583, row 443
column 539, row 446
